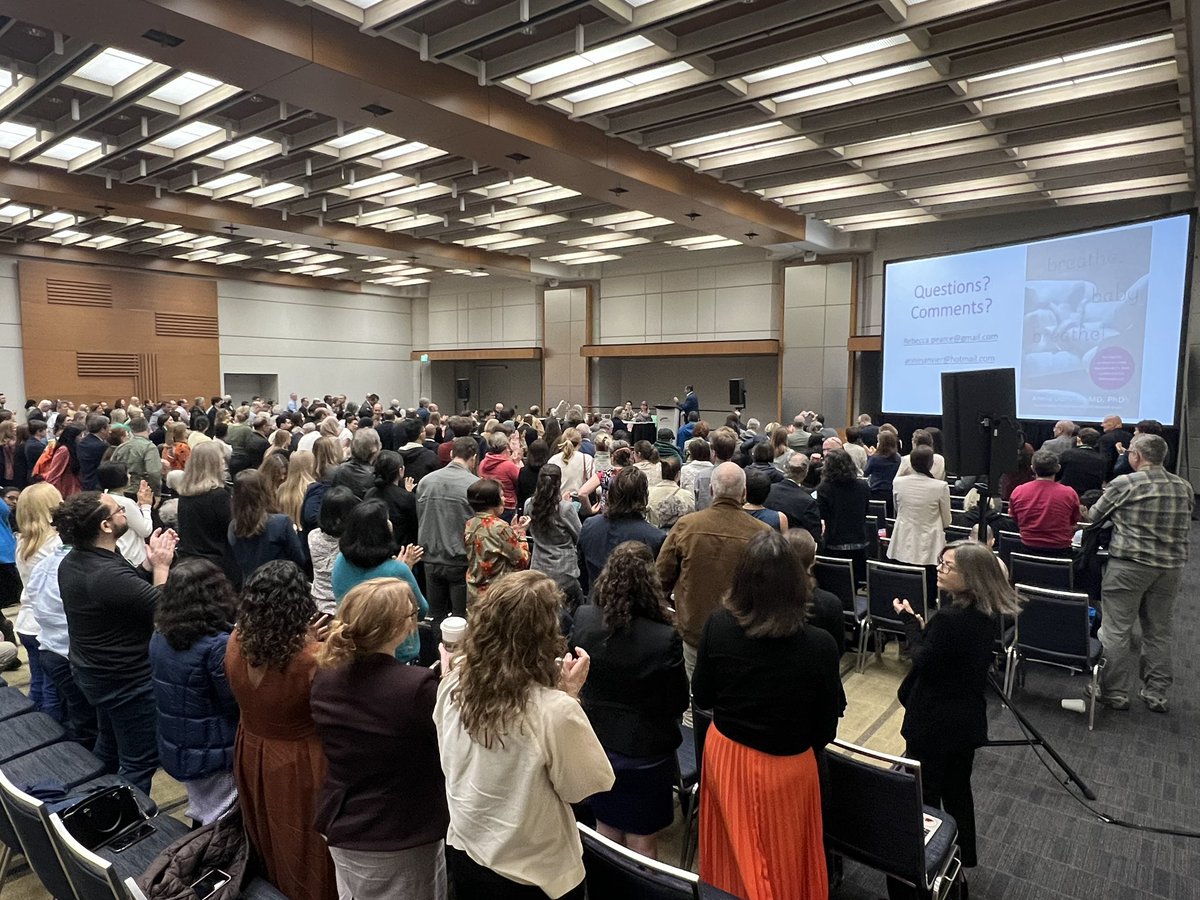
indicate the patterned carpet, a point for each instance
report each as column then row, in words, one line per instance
column 1035, row 841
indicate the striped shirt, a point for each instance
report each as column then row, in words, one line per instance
column 1150, row 510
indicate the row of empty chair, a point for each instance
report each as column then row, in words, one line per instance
column 1054, row 627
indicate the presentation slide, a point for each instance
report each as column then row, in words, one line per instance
column 1092, row 322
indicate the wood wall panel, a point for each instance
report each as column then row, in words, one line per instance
column 92, row 333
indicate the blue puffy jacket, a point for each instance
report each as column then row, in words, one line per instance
column 197, row 712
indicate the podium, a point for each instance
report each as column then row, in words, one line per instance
column 668, row 416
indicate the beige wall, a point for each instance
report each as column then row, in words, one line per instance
column 817, row 301
column 565, row 371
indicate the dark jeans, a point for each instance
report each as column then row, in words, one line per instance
column 42, row 691
column 78, row 716
column 126, row 714
column 474, row 882
column 446, row 590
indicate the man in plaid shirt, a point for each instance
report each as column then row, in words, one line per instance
column 1150, row 510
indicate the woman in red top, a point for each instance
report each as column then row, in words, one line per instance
column 175, row 451
column 498, row 465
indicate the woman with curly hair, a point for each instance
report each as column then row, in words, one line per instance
column 516, row 748
column 843, row 500
column 370, row 711
column 554, row 526
column 197, row 713
column 278, row 762
column 634, row 696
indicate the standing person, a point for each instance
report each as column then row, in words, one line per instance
column 257, row 533
column 395, row 490
column 494, row 547
column 699, row 465
column 368, row 552
column 324, row 544
column 690, row 403
column 63, row 470
column 110, row 618
column 536, row 456
column 694, row 561
column 1114, row 432
column 197, row 713
column 278, row 762
column 795, row 501
column 38, row 540
column 1084, row 466
column 301, row 467
column 667, row 501
column 175, row 449
column 132, row 545
column 140, row 457
column 634, row 695
column 1150, row 510
column 90, row 450
column 554, row 526
column 371, row 711
column 758, row 487
column 442, row 514
column 881, row 469
column 772, row 683
column 844, row 500
column 204, row 512
column 945, row 711
column 622, row 520
column 922, row 514
column 577, row 467
column 517, row 748
column 497, row 465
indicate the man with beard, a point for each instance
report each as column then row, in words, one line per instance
column 109, row 607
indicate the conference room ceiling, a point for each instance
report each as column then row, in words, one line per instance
column 392, row 140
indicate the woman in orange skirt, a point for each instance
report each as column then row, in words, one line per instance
column 772, row 683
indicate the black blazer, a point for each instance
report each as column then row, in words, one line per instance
column 384, row 790
column 943, row 695
column 637, row 687
column 1083, row 468
column 798, row 505
column 402, row 510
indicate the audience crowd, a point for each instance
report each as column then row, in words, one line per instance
column 250, row 597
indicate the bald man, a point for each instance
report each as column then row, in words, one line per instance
column 700, row 554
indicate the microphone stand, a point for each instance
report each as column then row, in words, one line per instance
column 1034, row 738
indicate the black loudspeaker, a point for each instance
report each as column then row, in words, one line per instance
column 737, row 392
column 462, row 389
column 969, row 399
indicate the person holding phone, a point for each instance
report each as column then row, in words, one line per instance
column 517, row 748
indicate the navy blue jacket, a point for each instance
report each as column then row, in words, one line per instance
column 197, row 712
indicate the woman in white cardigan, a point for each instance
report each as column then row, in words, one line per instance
column 922, row 514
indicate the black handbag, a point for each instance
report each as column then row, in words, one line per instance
column 110, row 818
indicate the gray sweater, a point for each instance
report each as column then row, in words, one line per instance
column 442, row 513
column 555, row 553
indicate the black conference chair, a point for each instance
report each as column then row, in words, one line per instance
column 30, row 822
column 836, row 575
column 13, row 703
column 878, row 510
column 1008, row 543
column 257, row 889
column 687, row 784
column 1053, row 572
column 885, row 582
column 1055, row 631
column 99, row 874
column 957, row 533
column 874, row 815
column 617, row 873
column 24, row 734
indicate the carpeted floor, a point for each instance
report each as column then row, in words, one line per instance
column 1035, row 841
